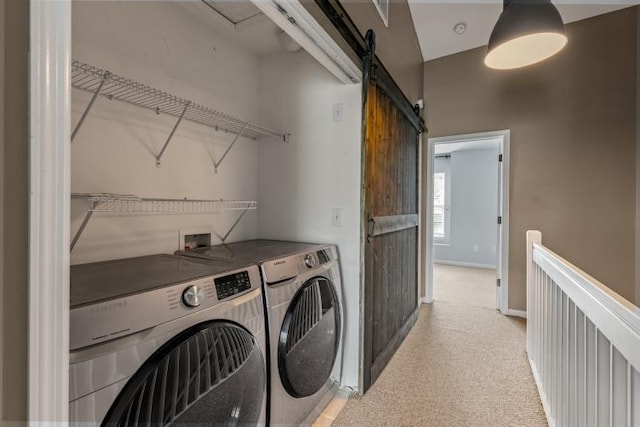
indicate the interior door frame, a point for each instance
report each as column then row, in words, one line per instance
column 49, row 210
column 503, row 251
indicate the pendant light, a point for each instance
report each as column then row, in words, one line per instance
column 527, row 32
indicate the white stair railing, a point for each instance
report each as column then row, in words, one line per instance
column 583, row 343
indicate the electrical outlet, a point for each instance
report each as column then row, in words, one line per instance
column 336, row 217
column 338, row 112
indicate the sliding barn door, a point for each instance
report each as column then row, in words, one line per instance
column 390, row 162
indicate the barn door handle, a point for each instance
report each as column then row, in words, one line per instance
column 371, row 226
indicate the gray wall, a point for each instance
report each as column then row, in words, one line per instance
column 573, row 137
column 1, row 186
column 473, row 208
column 396, row 45
column 14, row 196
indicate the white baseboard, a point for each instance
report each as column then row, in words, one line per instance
column 516, row 313
column 466, row 264
column 543, row 397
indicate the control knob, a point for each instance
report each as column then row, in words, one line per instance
column 309, row 261
column 192, row 296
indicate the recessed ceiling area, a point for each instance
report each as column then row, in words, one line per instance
column 234, row 11
column 239, row 21
column 435, row 21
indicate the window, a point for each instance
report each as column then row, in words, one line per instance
column 440, row 210
column 383, row 10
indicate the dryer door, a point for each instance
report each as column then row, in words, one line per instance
column 309, row 338
column 213, row 373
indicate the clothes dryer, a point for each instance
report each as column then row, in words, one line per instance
column 165, row 340
column 303, row 305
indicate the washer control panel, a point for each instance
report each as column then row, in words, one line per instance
column 192, row 296
column 233, row 284
column 95, row 323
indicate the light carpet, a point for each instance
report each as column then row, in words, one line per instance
column 463, row 364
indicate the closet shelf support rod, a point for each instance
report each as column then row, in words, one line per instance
column 85, row 221
column 216, row 164
column 105, row 78
column 224, row 238
column 173, row 131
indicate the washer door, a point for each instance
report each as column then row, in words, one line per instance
column 309, row 338
column 213, row 373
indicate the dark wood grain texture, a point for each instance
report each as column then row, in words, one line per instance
column 391, row 183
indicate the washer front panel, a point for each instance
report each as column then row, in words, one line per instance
column 96, row 367
column 212, row 373
column 96, row 323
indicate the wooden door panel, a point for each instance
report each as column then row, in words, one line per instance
column 391, row 203
column 393, row 285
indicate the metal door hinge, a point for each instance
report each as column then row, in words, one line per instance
column 498, row 282
column 499, row 220
column 500, row 157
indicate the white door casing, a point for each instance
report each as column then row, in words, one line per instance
column 49, row 211
column 502, row 249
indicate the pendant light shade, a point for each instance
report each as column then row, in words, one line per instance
column 528, row 31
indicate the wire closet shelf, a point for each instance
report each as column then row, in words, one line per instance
column 132, row 204
column 97, row 81
column 125, row 203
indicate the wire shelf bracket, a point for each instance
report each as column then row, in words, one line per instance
column 96, row 81
column 104, row 79
column 216, row 164
column 173, row 131
column 223, row 239
column 124, row 203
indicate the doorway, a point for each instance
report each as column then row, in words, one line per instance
column 50, row 160
column 467, row 208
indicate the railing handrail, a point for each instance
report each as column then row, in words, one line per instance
column 617, row 318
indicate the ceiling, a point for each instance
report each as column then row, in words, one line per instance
column 434, row 21
column 234, row 11
column 238, row 21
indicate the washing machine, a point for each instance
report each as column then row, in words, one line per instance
column 303, row 306
column 164, row 340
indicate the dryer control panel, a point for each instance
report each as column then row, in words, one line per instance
column 232, row 284
column 281, row 269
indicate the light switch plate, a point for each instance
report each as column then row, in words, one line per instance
column 336, row 217
column 338, row 112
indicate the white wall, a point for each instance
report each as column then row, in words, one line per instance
column 317, row 170
column 474, row 208
column 637, row 246
column 165, row 45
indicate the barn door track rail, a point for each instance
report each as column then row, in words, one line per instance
column 102, row 82
column 126, row 203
